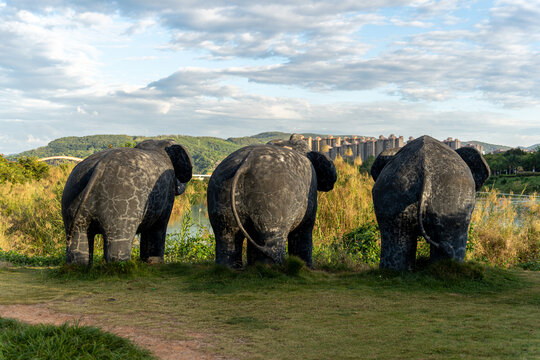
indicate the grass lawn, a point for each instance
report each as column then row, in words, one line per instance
column 471, row 312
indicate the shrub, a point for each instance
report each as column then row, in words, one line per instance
column 364, row 242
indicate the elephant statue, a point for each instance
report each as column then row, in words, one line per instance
column 120, row 193
column 426, row 189
column 267, row 194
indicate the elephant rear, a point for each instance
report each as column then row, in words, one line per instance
column 268, row 194
column 122, row 192
column 426, row 189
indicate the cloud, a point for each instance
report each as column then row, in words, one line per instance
column 250, row 66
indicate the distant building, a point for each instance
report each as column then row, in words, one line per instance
column 478, row 147
column 363, row 147
column 453, row 143
column 353, row 147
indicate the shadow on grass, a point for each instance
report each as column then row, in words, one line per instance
column 444, row 276
column 119, row 269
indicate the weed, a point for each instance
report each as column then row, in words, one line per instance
column 293, row 265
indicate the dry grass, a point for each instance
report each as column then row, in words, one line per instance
column 346, row 207
column 505, row 233
column 30, row 214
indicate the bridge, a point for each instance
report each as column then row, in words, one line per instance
column 55, row 160
column 200, row 177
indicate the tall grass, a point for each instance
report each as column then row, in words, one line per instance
column 505, row 233
column 345, row 236
column 30, row 214
column 346, row 207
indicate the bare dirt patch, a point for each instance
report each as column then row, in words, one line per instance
column 163, row 348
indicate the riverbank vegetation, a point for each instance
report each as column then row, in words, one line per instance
column 346, row 236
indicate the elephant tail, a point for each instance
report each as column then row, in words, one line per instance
column 426, row 184
column 96, row 173
column 241, row 170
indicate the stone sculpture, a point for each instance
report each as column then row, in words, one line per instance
column 120, row 193
column 267, row 194
column 426, row 189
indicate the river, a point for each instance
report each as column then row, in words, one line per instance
column 197, row 219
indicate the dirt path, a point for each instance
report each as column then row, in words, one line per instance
column 163, row 348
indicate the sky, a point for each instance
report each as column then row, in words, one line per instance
column 466, row 69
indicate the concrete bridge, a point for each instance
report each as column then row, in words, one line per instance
column 52, row 160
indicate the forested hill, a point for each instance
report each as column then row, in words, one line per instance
column 489, row 148
column 206, row 151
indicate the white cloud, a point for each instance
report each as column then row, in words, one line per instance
column 61, row 63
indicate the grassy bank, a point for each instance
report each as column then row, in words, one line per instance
column 466, row 312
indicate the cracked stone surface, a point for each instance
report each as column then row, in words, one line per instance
column 428, row 174
column 120, row 193
column 275, row 199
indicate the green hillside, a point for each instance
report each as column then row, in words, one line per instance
column 206, row 151
column 489, row 148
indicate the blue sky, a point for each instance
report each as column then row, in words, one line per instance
column 467, row 69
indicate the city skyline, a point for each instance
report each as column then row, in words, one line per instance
column 466, row 69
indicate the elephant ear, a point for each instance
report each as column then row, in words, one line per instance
column 325, row 170
column 478, row 165
column 181, row 160
column 380, row 162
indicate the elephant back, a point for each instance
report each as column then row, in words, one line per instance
column 424, row 160
column 272, row 189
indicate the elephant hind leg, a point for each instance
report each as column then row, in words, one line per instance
column 301, row 245
column 229, row 248
column 398, row 247
column 80, row 249
column 117, row 241
column 153, row 243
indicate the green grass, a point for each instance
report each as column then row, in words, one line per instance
column 20, row 341
column 515, row 184
column 447, row 311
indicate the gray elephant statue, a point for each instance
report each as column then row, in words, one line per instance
column 267, row 194
column 120, row 193
column 426, row 189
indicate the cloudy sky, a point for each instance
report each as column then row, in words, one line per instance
column 467, row 69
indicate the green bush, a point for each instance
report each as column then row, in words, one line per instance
column 293, row 265
column 363, row 242
column 23, row 170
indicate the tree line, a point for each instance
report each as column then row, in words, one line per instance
column 514, row 161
